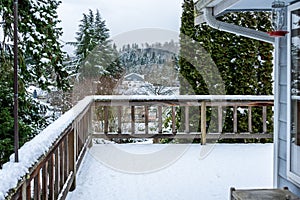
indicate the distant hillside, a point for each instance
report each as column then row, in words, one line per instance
column 152, row 61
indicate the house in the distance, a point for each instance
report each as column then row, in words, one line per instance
column 133, row 80
column 133, row 84
column 286, row 73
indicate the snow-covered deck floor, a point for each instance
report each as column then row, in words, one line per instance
column 114, row 172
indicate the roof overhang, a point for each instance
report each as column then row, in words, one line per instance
column 208, row 10
column 223, row 6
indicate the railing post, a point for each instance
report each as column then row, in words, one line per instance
column 203, row 122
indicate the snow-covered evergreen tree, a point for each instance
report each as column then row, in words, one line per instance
column 40, row 62
column 97, row 60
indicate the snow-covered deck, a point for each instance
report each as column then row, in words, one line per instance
column 49, row 162
column 130, row 171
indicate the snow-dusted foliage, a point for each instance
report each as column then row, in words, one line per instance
column 40, row 61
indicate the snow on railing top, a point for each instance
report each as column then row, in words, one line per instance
column 31, row 151
column 185, row 97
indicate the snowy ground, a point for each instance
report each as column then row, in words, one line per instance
column 130, row 171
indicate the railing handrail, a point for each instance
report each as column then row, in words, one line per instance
column 183, row 98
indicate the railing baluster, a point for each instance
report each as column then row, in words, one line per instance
column 203, row 122
column 132, row 120
column 61, row 166
column 250, row 119
column 173, row 120
column 45, row 182
column 66, row 159
column 159, row 109
column 57, row 179
column 264, row 119
column 119, row 119
column 28, row 191
column 51, row 177
column 79, row 136
column 89, row 113
column 72, row 157
column 235, row 119
column 187, row 119
column 220, row 119
column 84, row 122
column 146, row 119
column 105, row 119
column 37, row 187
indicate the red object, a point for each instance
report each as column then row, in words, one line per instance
column 277, row 33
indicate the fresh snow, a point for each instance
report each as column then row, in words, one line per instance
column 201, row 172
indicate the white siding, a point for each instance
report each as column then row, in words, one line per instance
column 282, row 180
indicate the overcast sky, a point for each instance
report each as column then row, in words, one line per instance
column 130, row 19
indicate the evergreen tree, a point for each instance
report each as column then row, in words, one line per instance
column 98, row 65
column 245, row 64
column 191, row 81
column 40, row 62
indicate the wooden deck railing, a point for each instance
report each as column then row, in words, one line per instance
column 55, row 172
column 119, row 116
column 133, row 117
